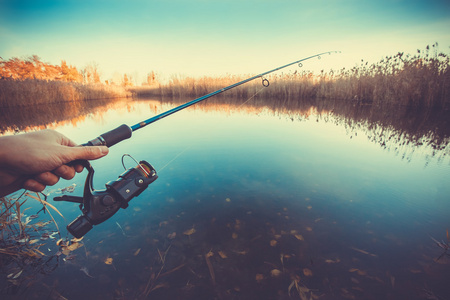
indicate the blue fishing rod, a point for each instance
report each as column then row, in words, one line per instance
column 124, row 132
column 99, row 205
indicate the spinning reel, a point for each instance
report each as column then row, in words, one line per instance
column 99, row 205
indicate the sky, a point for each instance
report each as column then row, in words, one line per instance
column 216, row 38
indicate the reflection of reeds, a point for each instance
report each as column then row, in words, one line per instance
column 422, row 79
column 36, row 117
column 34, row 91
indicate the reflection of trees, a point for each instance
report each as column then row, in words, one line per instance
column 42, row 116
column 395, row 128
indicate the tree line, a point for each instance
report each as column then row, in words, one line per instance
column 33, row 67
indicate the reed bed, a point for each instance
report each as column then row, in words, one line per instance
column 22, row 241
column 416, row 80
column 35, row 91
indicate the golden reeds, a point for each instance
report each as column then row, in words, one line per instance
column 34, row 91
column 422, row 79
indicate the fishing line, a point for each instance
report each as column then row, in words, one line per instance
column 252, row 97
column 176, row 156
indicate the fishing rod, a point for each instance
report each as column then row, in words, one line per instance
column 124, row 132
column 99, row 205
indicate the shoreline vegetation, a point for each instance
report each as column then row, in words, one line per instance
column 419, row 80
column 30, row 81
column 27, row 92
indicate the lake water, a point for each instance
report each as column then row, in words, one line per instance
column 269, row 200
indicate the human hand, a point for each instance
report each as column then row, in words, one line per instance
column 35, row 160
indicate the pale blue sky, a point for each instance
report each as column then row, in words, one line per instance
column 206, row 37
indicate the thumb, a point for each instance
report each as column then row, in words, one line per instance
column 85, row 152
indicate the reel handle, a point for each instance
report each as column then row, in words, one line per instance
column 111, row 137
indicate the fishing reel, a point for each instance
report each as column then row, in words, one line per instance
column 99, row 205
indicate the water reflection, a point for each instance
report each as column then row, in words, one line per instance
column 400, row 129
column 270, row 200
column 29, row 118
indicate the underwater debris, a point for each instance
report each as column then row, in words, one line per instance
column 299, row 237
column 222, row 254
column 275, row 273
column 330, row 261
column 307, row 272
column 363, row 251
column 442, row 245
column 189, row 231
column 108, row 260
column 210, row 267
column 86, row 271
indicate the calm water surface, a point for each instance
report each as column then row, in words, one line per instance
column 257, row 202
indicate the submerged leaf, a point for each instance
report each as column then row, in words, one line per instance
column 299, row 237
column 361, row 272
column 109, row 261
column 14, row 275
column 76, row 240
column 307, row 272
column 259, row 277
column 18, row 274
column 363, row 251
column 41, row 224
column 354, row 280
column 189, row 231
column 222, row 254
column 330, row 261
column 243, row 252
column 74, row 246
column 275, row 273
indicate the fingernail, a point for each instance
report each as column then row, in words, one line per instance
column 104, row 150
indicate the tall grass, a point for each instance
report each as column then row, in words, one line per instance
column 35, row 91
column 416, row 80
